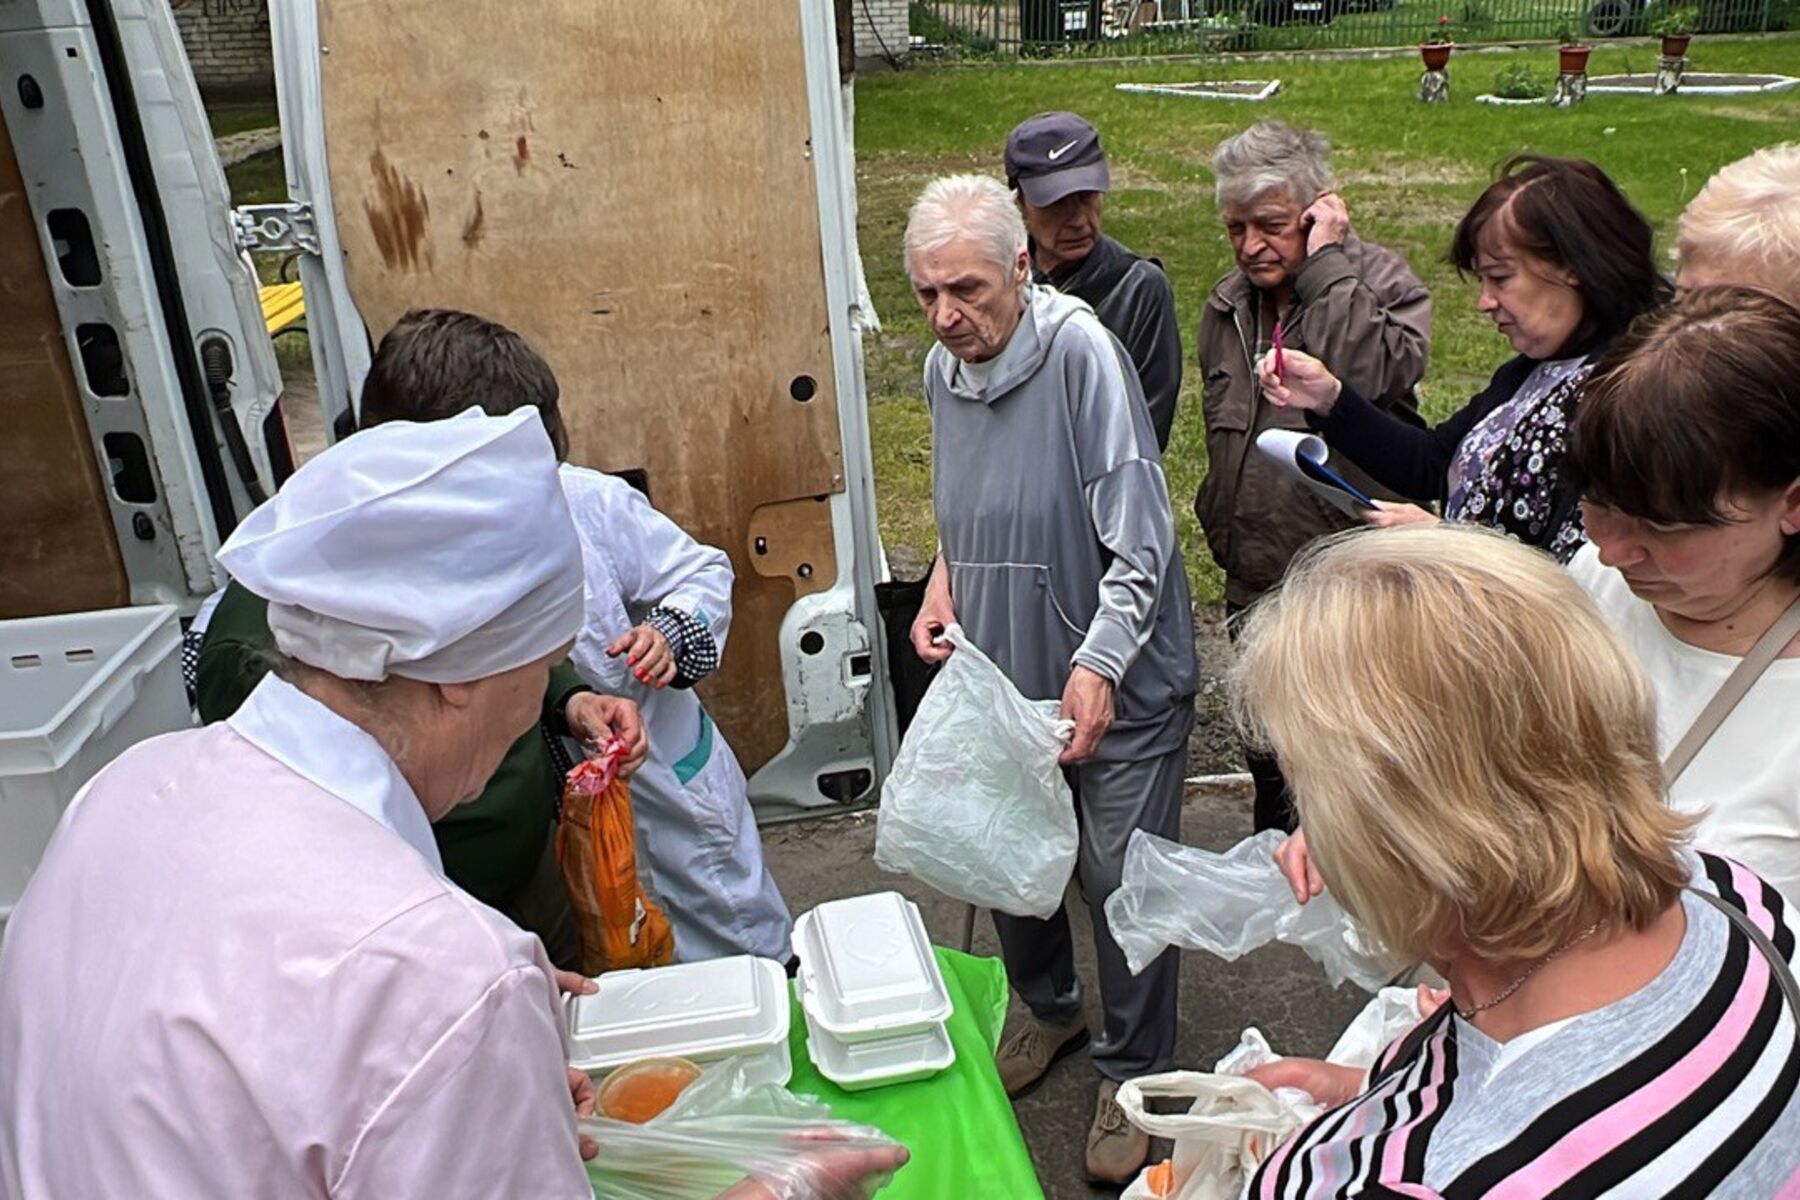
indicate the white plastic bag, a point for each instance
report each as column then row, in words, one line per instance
column 721, row 1130
column 1229, row 904
column 1391, row 1013
column 1203, row 1171
column 976, row 805
column 1230, row 1128
column 1252, row 1051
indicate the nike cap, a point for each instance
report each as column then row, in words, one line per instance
column 1053, row 154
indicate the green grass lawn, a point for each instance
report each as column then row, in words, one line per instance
column 236, row 116
column 1406, row 170
column 984, row 28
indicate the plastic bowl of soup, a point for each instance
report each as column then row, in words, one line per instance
column 639, row 1091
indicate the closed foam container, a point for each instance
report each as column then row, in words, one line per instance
column 867, row 971
column 703, row 1012
column 856, row 1066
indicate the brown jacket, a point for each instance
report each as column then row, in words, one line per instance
column 1362, row 311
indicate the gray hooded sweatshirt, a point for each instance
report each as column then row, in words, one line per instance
column 1054, row 519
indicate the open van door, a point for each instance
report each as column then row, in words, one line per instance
column 658, row 199
column 135, row 372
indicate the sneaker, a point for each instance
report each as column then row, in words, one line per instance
column 1026, row 1056
column 1116, row 1149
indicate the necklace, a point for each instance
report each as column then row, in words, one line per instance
column 1539, row 965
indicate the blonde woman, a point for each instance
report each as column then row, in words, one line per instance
column 1474, row 757
column 1744, row 226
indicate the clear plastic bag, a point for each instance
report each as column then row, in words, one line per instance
column 722, row 1130
column 1228, row 905
column 976, row 805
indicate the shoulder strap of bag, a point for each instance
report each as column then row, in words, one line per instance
column 1737, row 916
column 1749, row 669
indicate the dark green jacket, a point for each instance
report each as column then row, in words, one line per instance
column 490, row 845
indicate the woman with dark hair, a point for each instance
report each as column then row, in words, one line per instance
column 1565, row 265
column 1687, row 457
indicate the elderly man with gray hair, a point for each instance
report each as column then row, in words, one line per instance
column 1304, row 275
column 1058, row 558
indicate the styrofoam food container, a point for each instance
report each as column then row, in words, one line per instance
column 702, row 1011
column 76, row 691
column 866, row 968
column 856, row 1066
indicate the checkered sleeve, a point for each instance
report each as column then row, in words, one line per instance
column 696, row 653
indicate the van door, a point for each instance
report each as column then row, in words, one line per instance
column 144, row 385
column 656, row 198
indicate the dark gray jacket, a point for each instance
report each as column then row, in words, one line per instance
column 1362, row 311
column 1133, row 299
column 1055, row 524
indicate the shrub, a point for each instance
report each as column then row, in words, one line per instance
column 1516, row 81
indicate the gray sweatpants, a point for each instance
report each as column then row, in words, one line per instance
column 1111, row 800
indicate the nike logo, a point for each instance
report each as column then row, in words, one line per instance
column 1062, row 150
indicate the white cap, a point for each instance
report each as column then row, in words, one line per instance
column 441, row 551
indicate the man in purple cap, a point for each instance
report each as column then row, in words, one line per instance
column 1058, row 172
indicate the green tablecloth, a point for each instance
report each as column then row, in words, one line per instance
column 959, row 1125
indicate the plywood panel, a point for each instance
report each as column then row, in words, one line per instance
column 58, row 552
column 630, row 186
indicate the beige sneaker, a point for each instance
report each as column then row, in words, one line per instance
column 1026, row 1056
column 1116, row 1149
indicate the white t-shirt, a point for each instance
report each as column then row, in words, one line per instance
column 1746, row 779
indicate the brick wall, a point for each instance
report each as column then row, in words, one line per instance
column 890, row 21
column 228, row 44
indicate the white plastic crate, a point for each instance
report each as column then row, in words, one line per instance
column 75, row 691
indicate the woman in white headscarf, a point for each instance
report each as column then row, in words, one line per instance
column 239, row 969
column 241, row 936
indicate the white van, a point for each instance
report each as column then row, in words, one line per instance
column 659, row 199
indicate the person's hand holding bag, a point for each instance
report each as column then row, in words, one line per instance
column 1328, row 1083
column 594, row 720
column 1297, row 867
column 936, row 614
column 1087, row 700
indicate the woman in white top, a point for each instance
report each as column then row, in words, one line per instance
column 1687, row 454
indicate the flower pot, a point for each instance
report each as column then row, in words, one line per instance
column 1573, row 59
column 1674, row 45
column 1436, row 54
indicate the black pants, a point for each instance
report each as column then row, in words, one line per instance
column 1273, row 807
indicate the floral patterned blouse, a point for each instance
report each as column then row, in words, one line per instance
column 1504, row 473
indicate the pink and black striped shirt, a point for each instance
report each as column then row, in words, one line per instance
column 1689, row 1087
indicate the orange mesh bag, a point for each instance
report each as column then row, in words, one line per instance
column 621, row 926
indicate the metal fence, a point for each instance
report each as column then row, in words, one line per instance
column 1135, row 27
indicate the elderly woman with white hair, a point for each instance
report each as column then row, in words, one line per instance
column 1059, row 559
column 1303, row 280
column 239, row 969
column 1744, row 226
